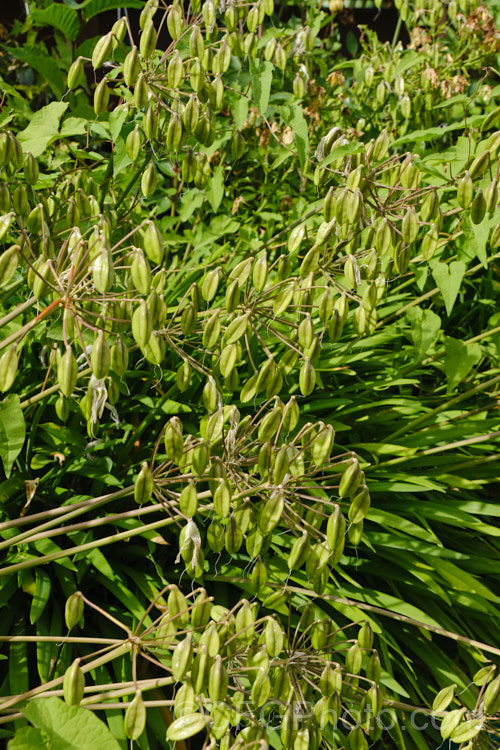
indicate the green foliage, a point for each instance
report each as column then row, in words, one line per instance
column 251, row 357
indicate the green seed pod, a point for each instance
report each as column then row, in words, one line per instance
column 175, row 70
column 261, row 688
column 177, row 606
column 480, row 164
column 185, row 699
column 272, row 511
column 215, row 536
column 8, row 264
column 281, row 465
column 102, row 50
column 211, row 331
column 183, row 376
column 318, row 560
column 269, row 425
column 491, row 196
column 232, row 296
column 175, row 22
column 148, row 40
column 299, row 553
column 187, row 726
column 270, row 49
column 196, row 76
column 16, row 151
column 201, row 610
column 478, row 208
column 233, row 537
column 335, row 534
column 196, row 43
column 62, row 408
column 307, row 378
column 351, row 478
column 237, row 145
column 210, row 284
column 188, row 500
column 430, row 242
column 119, row 29
column 134, row 722
column 6, row 221
column 150, row 123
column 152, row 243
column 492, row 697
column 9, row 362
column 280, row 57
column 73, row 610
column 227, row 359
column 274, row 638
column 141, row 91
column 101, row 97
column 131, row 67
column 142, row 324
column 100, row 357
column 140, row 272
column 356, row 740
column 191, row 115
column 409, row 228
column 149, row 180
column 143, row 488
column 444, row 698
column 4, row 198
column 74, row 684
column 289, row 727
column 200, row 670
column 465, row 191
column 119, row 357
column 67, row 372
column 430, row 206
column 354, row 658
column 31, row 169
column 103, row 274
column 175, row 134
column 182, row 657
column 296, row 237
column 373, row 668
column 20, row 205
column 217, row 680
column 258, row 578
column 494, row 240
column 360, row 504
column 222, row 499
column 189, row 165
column 76, row 74
column 451, row 722
column 380, row 147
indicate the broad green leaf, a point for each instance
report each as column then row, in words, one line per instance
column 215, row 187
column 294, row 117
column 476, row 237
column 448, row 277
column 341, row 151
column 262, row 78
column 60, row 17
column 73, row 126
column 40, row 60
column 29, row 738
column 69, row 727
column 459, row 360
column 93, row 7
column 12, row 431
column 240, row 111
column 43, row 128
column 424, row 330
